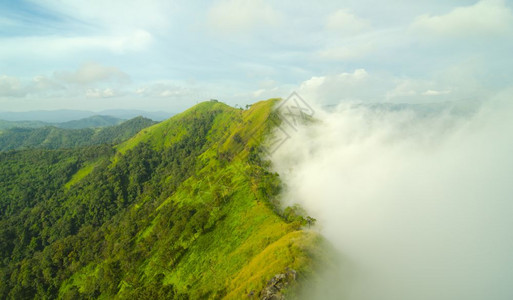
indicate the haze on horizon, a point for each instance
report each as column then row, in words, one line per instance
column 168, row 55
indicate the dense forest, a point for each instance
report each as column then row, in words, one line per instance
column 51, row 137
column 185, row 209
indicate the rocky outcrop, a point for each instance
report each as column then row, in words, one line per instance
column 276, row 285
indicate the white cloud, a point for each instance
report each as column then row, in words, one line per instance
column 403, row 88
column 407, row 90
column 418, row 206
column 101, row 93
column 483, row 19
column 63, row 46
column 343, row 43
column 450, row 84
column 280, row 91
column 172, row 90
column 92, row 73
column 436, row 93
column 39, row 85
column 134, row 41
column 348, row 52
column 43, row 83
column 91, row 79
column 138, row 40
column 229, row 17
column 356, row 86
column 344, row 23
column 116, row 15
column 11, row 87
column 365, row 46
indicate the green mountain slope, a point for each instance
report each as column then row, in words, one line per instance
column 186, row 209
column 50, row 137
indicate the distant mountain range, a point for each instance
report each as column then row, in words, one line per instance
column 86, row 132
column 89, row 122
column 60, row 116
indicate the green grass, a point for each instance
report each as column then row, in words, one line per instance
column 80, row 174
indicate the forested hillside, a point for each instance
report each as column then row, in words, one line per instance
column 186, row 209
column 51, row 137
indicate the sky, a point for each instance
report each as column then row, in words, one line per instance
column 168, row 55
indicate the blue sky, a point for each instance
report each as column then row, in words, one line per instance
column 168, row 55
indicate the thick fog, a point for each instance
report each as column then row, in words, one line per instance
column 418, row 205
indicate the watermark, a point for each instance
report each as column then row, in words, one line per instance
column 285, row 120
column 291, row 113
column 295, row 110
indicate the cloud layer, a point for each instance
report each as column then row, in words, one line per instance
column 485, row 19
column 229, row 17
column 90, row 73
column 418, row 204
